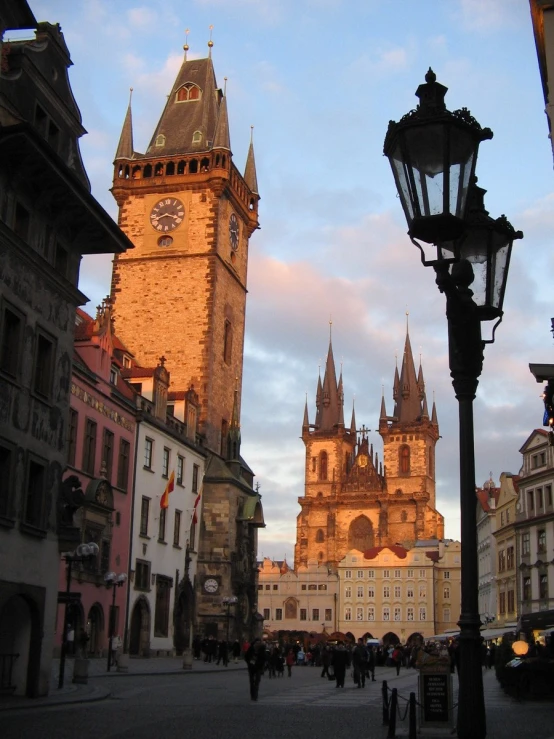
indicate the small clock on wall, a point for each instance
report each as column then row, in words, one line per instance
column 211, row 585
column 234, row 232
column 167, row 214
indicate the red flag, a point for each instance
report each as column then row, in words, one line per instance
column 194, row 510
column 164, row 502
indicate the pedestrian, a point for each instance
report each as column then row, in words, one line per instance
column 359, row 662
column 371, row 661
column 396, row 657
column 290, row 661
column 222, row 654
column 235, row 650
column 325, row 662
column 340, row 661
column 255, row 660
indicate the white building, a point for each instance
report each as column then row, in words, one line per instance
column 487, row 498
column 164, row 541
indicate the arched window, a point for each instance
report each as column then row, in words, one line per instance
column 148, row 171
column 197, row 137
column 170, row 168
column 360, row 534
column 323, row 465
column 320, row 536
column 227, row 342
column 181, row 167
column 136, row 172
column 159, row 170
column 431, row 461
column 160, row 140
column 193, row 166
column 404, row 454
column 187, row 93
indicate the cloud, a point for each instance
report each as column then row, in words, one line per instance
column 141, row 17
column 492, row 15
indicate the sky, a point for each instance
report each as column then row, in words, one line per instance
column 319, row 80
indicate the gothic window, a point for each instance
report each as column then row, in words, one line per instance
column 227, row 342
column 193, row 166
column 323, row 465
column 148, row 171
column 360, row 534
column 404, row 454
column 291, row 608
column 159, row 170
column 431, row 461
column 320, row 537
column 181, row 167
column 188, row 93
column 197, row 137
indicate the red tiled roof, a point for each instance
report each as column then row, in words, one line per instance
column 129, row 373
column 400, row 552
column 176, row 395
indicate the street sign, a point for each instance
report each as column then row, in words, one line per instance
column 65, row 597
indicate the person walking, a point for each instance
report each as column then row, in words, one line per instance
column 290, row 661
column 235, row 650
column 325, row 662
column 371, row 662
column 396, row 657
column 359, row 662
column 255, row 661
column 340, row 661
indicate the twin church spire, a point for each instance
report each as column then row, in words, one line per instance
column 410, row 400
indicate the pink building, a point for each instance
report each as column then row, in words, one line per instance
column 101, row 450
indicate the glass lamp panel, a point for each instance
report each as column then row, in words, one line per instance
column 460, row 173
column 488, row 252
column 401, row 179
column 426, row 147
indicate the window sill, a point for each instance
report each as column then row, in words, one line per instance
column 177, row 546
column 148, row 469
column 145, row 536
column 28, row 528
column 162, row 541
column 180, row 483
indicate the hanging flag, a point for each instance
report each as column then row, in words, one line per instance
column 164, row 502
column 195, row 509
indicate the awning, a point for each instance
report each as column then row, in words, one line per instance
column 495, row 633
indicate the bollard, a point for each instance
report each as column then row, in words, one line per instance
column 384, row 693
column 412, row 724
column 392, row 714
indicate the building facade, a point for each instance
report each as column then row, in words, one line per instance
column 506, row 551
column 100, row 463
column 487, row 498
column 48, row 220
column 190, row 213
column 535, row 533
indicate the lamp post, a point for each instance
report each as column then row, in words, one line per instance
column 229, row 601
column 83, row 553
column 113, row 581
column 433, row 153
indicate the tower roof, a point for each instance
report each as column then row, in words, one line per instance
column 189, row 120
column 330, row 413
column 408, row 402
column 222, row 138
column 125, row 148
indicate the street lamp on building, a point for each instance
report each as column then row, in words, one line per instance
column 83, row 553
column 229, row 601
column 433, row 153
column 113, row 581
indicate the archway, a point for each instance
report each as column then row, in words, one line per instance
column 390, row 639
column 360, row 534
column 139, row 639
column 95, row 628
column 18, row 631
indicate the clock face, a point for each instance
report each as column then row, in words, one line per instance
column 167, row 214
column 211, row 586
column 234, row 232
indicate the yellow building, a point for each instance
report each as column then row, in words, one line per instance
column 506, row 551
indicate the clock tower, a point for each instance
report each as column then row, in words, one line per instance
column 190, row 213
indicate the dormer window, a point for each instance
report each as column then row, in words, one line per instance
column 188, row 93
column 160, row 140
column 197, row 137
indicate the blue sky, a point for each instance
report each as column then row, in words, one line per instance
column 319, row 80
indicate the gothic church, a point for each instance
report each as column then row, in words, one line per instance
column 351, row 499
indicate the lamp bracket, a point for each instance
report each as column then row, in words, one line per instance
column 430, row 262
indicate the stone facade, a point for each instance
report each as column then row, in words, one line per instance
column 190, row 214
column 49, row 220
column 506, row 551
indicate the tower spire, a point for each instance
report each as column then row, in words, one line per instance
column 233, row 437
column 408, row 400
column 306, row 421
column 250, row 170
column 222, row 138
column 125, row 148
column 186, row 45
column 330, row 396
column 353, row 421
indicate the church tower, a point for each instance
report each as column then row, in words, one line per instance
column 350, row 500
column 190, row 214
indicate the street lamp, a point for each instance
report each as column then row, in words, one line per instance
column 113, row 581
column 83, row 553
column 433, row 153
column 229, row 601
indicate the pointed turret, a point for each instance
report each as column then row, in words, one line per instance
column 434, row 419
column 306, row 421
column 408, row 403
column 420, row 381
column 222, row 138
column 340, row 392
column 318, row 401
column 383, row 413
column 250, row 170
column 353, row 421
column 396, row 385
column 125, row 148
column 425, row 409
